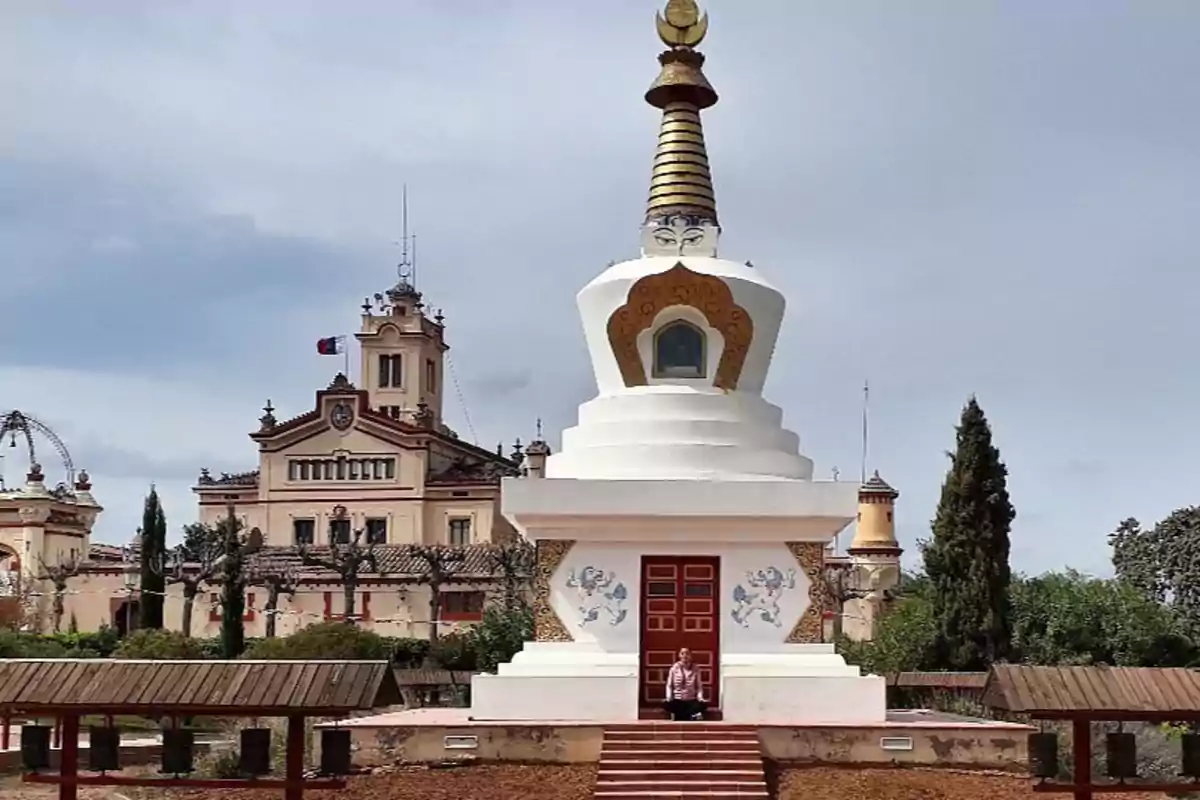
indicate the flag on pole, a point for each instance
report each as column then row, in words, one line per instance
column 331, row 345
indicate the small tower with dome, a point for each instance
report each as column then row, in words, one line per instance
column 679, row 510
column 874, row 555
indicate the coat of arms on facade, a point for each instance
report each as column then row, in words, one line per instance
column 599, row 594
column 759, row 596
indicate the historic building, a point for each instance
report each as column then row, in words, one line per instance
column 376, row 459
column 42, row 529
column 372, row 464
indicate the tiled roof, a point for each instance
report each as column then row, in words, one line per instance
column 462, row 471
column 394, row 560
column 877, row 485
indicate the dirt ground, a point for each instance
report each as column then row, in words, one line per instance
column 517, row 782
column 823, row 783
column 480, row 782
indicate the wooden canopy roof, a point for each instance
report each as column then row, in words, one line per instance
column 196, row 688
column 1098, row 693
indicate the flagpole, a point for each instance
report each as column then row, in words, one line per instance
column 346, row 353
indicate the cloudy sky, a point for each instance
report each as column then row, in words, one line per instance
column 957, row 196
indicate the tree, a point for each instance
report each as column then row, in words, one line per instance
column 1162, row 562
column 1136, row 559
column 152, row 555
column 902, row 642
column 277, row 580
column 58, row 575
column 349, row 560
column 1067, row 618
column 514, row 563
column 966, row 560
column 233, row 587
column 193, row 564
column 439, row 565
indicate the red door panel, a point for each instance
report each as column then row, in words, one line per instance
column 680, row 600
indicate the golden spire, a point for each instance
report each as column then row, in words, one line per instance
column 681, row 183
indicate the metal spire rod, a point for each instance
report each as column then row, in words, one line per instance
column 866, row 406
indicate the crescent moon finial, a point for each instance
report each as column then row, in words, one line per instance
column 681, row 24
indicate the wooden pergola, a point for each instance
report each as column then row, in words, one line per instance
column 68, row 689
column 1083, row 695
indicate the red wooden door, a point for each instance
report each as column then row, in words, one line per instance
column 679, row 609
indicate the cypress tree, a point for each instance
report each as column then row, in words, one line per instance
column 153, row 543
column 233, row 589
column 966, row 561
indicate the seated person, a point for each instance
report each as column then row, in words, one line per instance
column 685, row 696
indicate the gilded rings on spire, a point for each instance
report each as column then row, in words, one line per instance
column 681, row 24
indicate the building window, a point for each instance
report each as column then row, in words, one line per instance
column 462, row 606
column 339, row 531
column 391, row 371
column 304, row 531
column 679, row 351
column 460, row 532
column 342, row 469
column 430, row 375
column 377, row 531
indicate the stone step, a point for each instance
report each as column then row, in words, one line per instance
column 678, row 754
column 699, row 794
column 679, row 787
column 747, row 774
column 660, row 763
column 681, row 735
column 691, row 745
column 661, row 727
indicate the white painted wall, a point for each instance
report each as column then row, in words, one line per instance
column 596, row 592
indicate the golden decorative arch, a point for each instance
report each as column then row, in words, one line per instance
column 547, row 626
column 679, row 286
column 810, row 628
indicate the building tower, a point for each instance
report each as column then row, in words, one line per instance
column 874, row 558
column 679, row 512
column 403, row 350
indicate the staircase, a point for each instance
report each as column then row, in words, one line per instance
column 680, row 761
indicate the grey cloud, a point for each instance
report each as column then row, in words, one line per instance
column 956, row 198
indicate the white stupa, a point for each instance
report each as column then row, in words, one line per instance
column 680, row 512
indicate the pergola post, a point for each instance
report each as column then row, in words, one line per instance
column 294, row 759
column 68, row 757
column 5, row 732
column 1081, row 745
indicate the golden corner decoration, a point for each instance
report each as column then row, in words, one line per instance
column 681, row 24
column 809, row 629
column 679, row 286
column 547, row 627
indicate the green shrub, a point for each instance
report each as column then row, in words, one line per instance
column 408, row 653
column 454, row 651
column 500, row 636
column 324, row 640
column 16, row 644
column 102, row 642
column 156, row 643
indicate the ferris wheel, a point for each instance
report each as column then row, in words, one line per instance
column 18, row 426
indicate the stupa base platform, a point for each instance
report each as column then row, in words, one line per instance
column 907, row 737
column 796, row 685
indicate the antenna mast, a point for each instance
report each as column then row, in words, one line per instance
column 866, row 406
